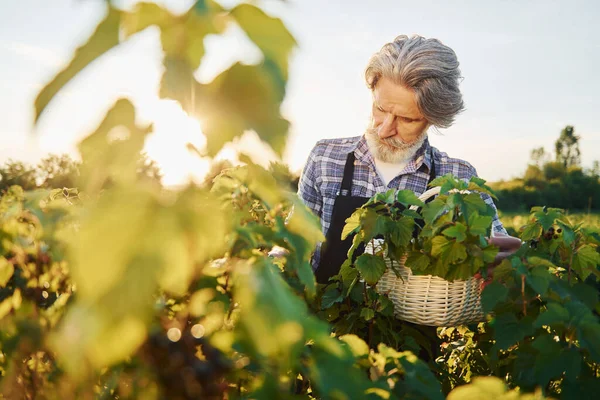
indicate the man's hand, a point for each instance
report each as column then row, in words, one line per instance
column 507, row 245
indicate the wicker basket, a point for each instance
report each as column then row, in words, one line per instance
column 430, row 300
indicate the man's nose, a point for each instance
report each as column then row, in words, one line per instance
column 387, row 128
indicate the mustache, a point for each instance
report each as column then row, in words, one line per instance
column 393, row 142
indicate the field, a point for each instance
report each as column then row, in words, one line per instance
column 513, row 221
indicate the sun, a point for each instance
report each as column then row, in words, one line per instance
column 173, row 130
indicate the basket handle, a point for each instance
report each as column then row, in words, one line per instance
column 427, row 194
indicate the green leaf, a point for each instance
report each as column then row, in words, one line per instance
column 531, row 231
column 268, row 33
column 479, row 224
column 373, row 224
column 331, row 296
column 352, row 223
column 490, row 253
column 387, row 197
column 546, row 220
column 539, row 279
column 586, row 257
column 408, row 198
column 418, row 262
column 504, row 271
column 400, row 232
column 433, row 210
column 555, row 314
column 449, row 251
column 457, row 231
column 440, row 180
column 6, row 271
column 102, row 40
column 475, row 204
column 367, row 314
column 370, row 267
column 568, row 235
column 493, row 294
column 508, row 330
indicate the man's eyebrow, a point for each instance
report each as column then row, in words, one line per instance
column 400, row 116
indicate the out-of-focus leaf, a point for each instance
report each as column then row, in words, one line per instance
column 106, row 158
column 6, row 271
column 102, row 40
column 493, row 294
column 268, row 33
column 244, row 97
column 358, row 346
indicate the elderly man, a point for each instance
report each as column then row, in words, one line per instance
column 414, row 82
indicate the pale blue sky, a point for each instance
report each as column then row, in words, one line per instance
column 529, row 67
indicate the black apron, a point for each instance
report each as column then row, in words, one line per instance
column 334, row 250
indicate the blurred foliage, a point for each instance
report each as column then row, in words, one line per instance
column 119, row 288
column 61, row 171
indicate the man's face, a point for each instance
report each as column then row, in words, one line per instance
column 398, row 128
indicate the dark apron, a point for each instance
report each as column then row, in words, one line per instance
column 334, row 250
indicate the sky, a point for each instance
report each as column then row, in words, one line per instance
column 529, row 68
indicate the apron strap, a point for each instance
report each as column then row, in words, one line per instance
column 432, row 174
column 346, row 189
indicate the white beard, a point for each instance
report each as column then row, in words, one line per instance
column 396, row 150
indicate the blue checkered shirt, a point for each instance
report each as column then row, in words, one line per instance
column 321, row 178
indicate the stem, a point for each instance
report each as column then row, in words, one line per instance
column 571, row 261
column 523, row 294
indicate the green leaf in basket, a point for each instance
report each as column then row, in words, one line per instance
column 457, row 231
column 440, row 269
column 370, row 267
column 433, row 210
column 448, row 251
column 352, row 224
column 400, row 231
column 473, row 203
column 479, row 224
column 441, row 180
column 411, row 213
column 408, row 198
column 489, row 253
column 493, row 294
column 372, row 224
column 417, row 262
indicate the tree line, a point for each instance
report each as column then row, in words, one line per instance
column 556, row 180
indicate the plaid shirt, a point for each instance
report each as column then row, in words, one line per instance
column 321, row 178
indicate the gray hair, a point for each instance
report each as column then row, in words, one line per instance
column 426, row 66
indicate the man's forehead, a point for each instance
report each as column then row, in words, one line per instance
column 389, row 95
